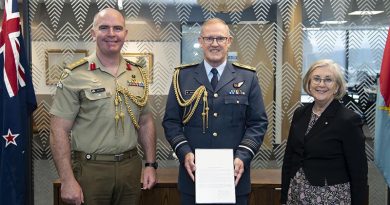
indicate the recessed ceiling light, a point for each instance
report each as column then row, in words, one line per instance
column 333, row 22
column 253, row 22
column 364, row 13
column 135, row 22
column 312, row 29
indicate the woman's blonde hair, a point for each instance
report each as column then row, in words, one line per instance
column 337, row 72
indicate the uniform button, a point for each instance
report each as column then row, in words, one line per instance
column 215, row 134
column 88, row 156
column 238, row 102
column 215, row 95
column 215, row 114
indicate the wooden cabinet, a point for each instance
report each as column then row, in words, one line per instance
column 265, row 188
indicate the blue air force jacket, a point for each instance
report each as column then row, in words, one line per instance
column 236, row 119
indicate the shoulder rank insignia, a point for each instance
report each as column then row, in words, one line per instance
column 132, row 63
column 186, row 65
column 247, row 67
column 77, row 64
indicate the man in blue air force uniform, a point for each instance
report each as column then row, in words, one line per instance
column 215, row 104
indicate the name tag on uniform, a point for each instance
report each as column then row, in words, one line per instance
column 189, row 92
column 98, row 90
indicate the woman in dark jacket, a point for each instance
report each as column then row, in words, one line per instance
column 325, row 160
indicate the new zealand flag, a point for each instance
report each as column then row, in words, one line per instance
column 16, row 106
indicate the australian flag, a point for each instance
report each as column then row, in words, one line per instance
column 382, row 116
column 16, row 106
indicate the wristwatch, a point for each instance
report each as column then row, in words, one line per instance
column 151, row 164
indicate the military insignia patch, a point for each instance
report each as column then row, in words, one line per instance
column 129, row 62
column 238, row 85
column 135, row 83
column 64, row 74
column 236, row 92
column 186, row 65
column 247, row 67
column 92, row 66
column 77, row 64
column 59, row 84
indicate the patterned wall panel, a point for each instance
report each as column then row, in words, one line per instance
column 261, row 9
column 248, row 36
column 313, row 10
column 263, row 30
column 287, row 8
column 183, row 11
column 41, row 148
column 340, row 8
column 296, row 36
column 209, row 8
column 79, row 8
column 55, row 9
column 273, row 44
column 132, row 8
column 364, row 5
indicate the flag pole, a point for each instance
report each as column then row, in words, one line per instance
column 388, row 195
column 27, row 43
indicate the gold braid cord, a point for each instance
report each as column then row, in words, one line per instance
column 126, row 94
column 195, row 97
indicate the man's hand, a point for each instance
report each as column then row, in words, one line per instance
column 189, row 164
column 238, row 169
column 149, row 178
column 71, row 192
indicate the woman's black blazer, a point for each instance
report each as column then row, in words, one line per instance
column 333, row 151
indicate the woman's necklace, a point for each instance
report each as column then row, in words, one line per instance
column 318, row 113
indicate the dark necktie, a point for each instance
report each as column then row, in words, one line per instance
column 214, row 80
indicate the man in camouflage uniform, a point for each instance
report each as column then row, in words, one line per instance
column 101, row 101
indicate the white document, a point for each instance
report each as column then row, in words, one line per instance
column 214, row 176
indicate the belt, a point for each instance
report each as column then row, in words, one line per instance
column 106, row 157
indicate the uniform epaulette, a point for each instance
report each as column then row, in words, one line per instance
column 186, row 65
column 132, row 63
column 244, row 66
column 77, row 64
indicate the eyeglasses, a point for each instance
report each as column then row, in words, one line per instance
column 210, row 40
column 317, row 80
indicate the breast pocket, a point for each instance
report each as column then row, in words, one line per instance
column 98, row 102
column 236, row 105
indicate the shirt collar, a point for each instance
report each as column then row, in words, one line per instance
column 122, row 65
column 220, row 68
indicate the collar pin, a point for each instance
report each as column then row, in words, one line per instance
column 128, row 66
column 92, row 66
